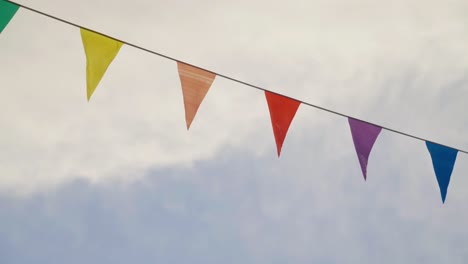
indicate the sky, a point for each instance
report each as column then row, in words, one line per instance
column 119, row 179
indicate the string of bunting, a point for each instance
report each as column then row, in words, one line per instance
column 101, row 50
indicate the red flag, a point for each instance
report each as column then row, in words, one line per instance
column 282, row 111
column 195, row 85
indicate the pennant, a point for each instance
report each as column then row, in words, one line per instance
column 282, row 111
column 364, row 136
column 195, row 85
column 7, row 11
column 443, row 160
column 100, row 52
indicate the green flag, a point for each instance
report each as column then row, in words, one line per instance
column 7, row 11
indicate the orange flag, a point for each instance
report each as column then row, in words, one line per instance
column 195, row 85
column 282, row 111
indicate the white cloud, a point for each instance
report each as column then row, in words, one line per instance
column 400, row 64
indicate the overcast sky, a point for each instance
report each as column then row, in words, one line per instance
column 121, row 180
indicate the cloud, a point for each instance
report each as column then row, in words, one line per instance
column 120, row 179
column 391, row 63
column 242, row 208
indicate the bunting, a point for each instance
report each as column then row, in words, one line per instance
column 7, row 11
column 195, row 84
column 100, row 52
column 282, row 112
column 364, row 136
column 443, row 160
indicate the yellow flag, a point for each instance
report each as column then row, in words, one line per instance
column 195, row 85
column 100, row 52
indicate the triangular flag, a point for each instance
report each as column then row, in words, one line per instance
column 195, row 85
column 7, row 11
column 364, row 136
column 282, row 111
column 443, row 160
column 100, row 52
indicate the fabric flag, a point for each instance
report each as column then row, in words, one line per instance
column 443, row 160
column 364, row 136
column 100, row 52
column 195, row 85
column 282, row 112
column 7, row 11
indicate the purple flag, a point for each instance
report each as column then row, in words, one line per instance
column 364, row 136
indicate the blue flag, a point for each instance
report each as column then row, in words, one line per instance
column 443, row 160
